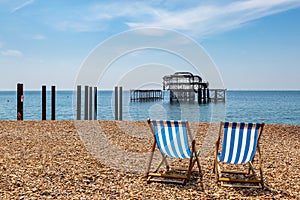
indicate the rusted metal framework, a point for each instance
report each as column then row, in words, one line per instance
column 216, row 95
column 183, row 86
column 146, row 95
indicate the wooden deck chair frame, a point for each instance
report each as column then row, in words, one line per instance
column 256, row 182
column 166, row 177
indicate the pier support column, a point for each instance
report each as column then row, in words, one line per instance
column 86, row 102
column 208, row 95
column 90, row 103
column 120, row 103
column 53, row 102
column 204, row 95
column 95, row 103
column 20, row 101
column 199, row 95
column 78, row 102
column 116, row 103
column 44, row 101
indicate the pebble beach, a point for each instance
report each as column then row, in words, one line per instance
column 107, row 160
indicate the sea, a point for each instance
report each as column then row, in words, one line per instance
column 273, row 107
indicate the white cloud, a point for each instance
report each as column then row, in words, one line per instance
column 26, row 3
column 39, row 37
column 102, row 16
column 11, row 53
column 204, row 20
column 196, row 18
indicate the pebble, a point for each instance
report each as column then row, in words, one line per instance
column 49, row 159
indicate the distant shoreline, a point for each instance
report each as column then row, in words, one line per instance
column 274, row 107
column 110, row 90
column 112, row 120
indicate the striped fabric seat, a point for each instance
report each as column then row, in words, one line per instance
column 171, row 138
column 239, row 142
column 240, row 145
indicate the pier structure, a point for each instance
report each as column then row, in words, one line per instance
column 146, row 95
column 216, row 95
column 184, row 86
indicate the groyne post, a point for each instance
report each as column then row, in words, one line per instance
column 90, row 103
column 86, row 102
column 116, row 103
column 95, row 103
column 120, row 102
column 20, row 101
column 44, row 102
column 53, row 102
column 78, row 102
column 89, row 108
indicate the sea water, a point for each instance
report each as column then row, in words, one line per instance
column 276, row 107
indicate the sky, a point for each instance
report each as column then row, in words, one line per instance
column 254, row 44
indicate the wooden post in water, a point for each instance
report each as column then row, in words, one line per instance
column 199, row 95
column 78, row 102
column 204, row 95
column 208, row 95
column 120, row 103
column 20, row 101
column 44, row 102
column 53, row 102
column 86, row 102
column 171, row 96
column 91, row 104
column 116, row 103
column 95, row 103
column 216, row 95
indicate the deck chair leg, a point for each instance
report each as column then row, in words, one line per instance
column 200, row 173
column 262, row 178
column 251, row 169
column 151, row 157
column 192, row 162
column 166, row 163
column 260, row 168
column 190, row 167
column 198, row 162
column 217, row 150
column 215, row 169
column 215, row 164
column 199, row 165
column 164, row 160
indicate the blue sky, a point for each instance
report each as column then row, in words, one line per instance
column 255, row 44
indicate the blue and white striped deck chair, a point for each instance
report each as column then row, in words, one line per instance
column 172, row 140
column 240, row 144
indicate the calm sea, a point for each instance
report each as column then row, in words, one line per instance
column 276, row 107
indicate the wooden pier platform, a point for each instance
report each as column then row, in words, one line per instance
column 216, row 95
column 146, row 95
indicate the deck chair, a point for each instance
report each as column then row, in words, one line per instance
column 172, row 140
column 239, row 147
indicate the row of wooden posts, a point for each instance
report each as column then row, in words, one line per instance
column 89, row 98
column 20, row 102
column 89, row 109
column 88, row 103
